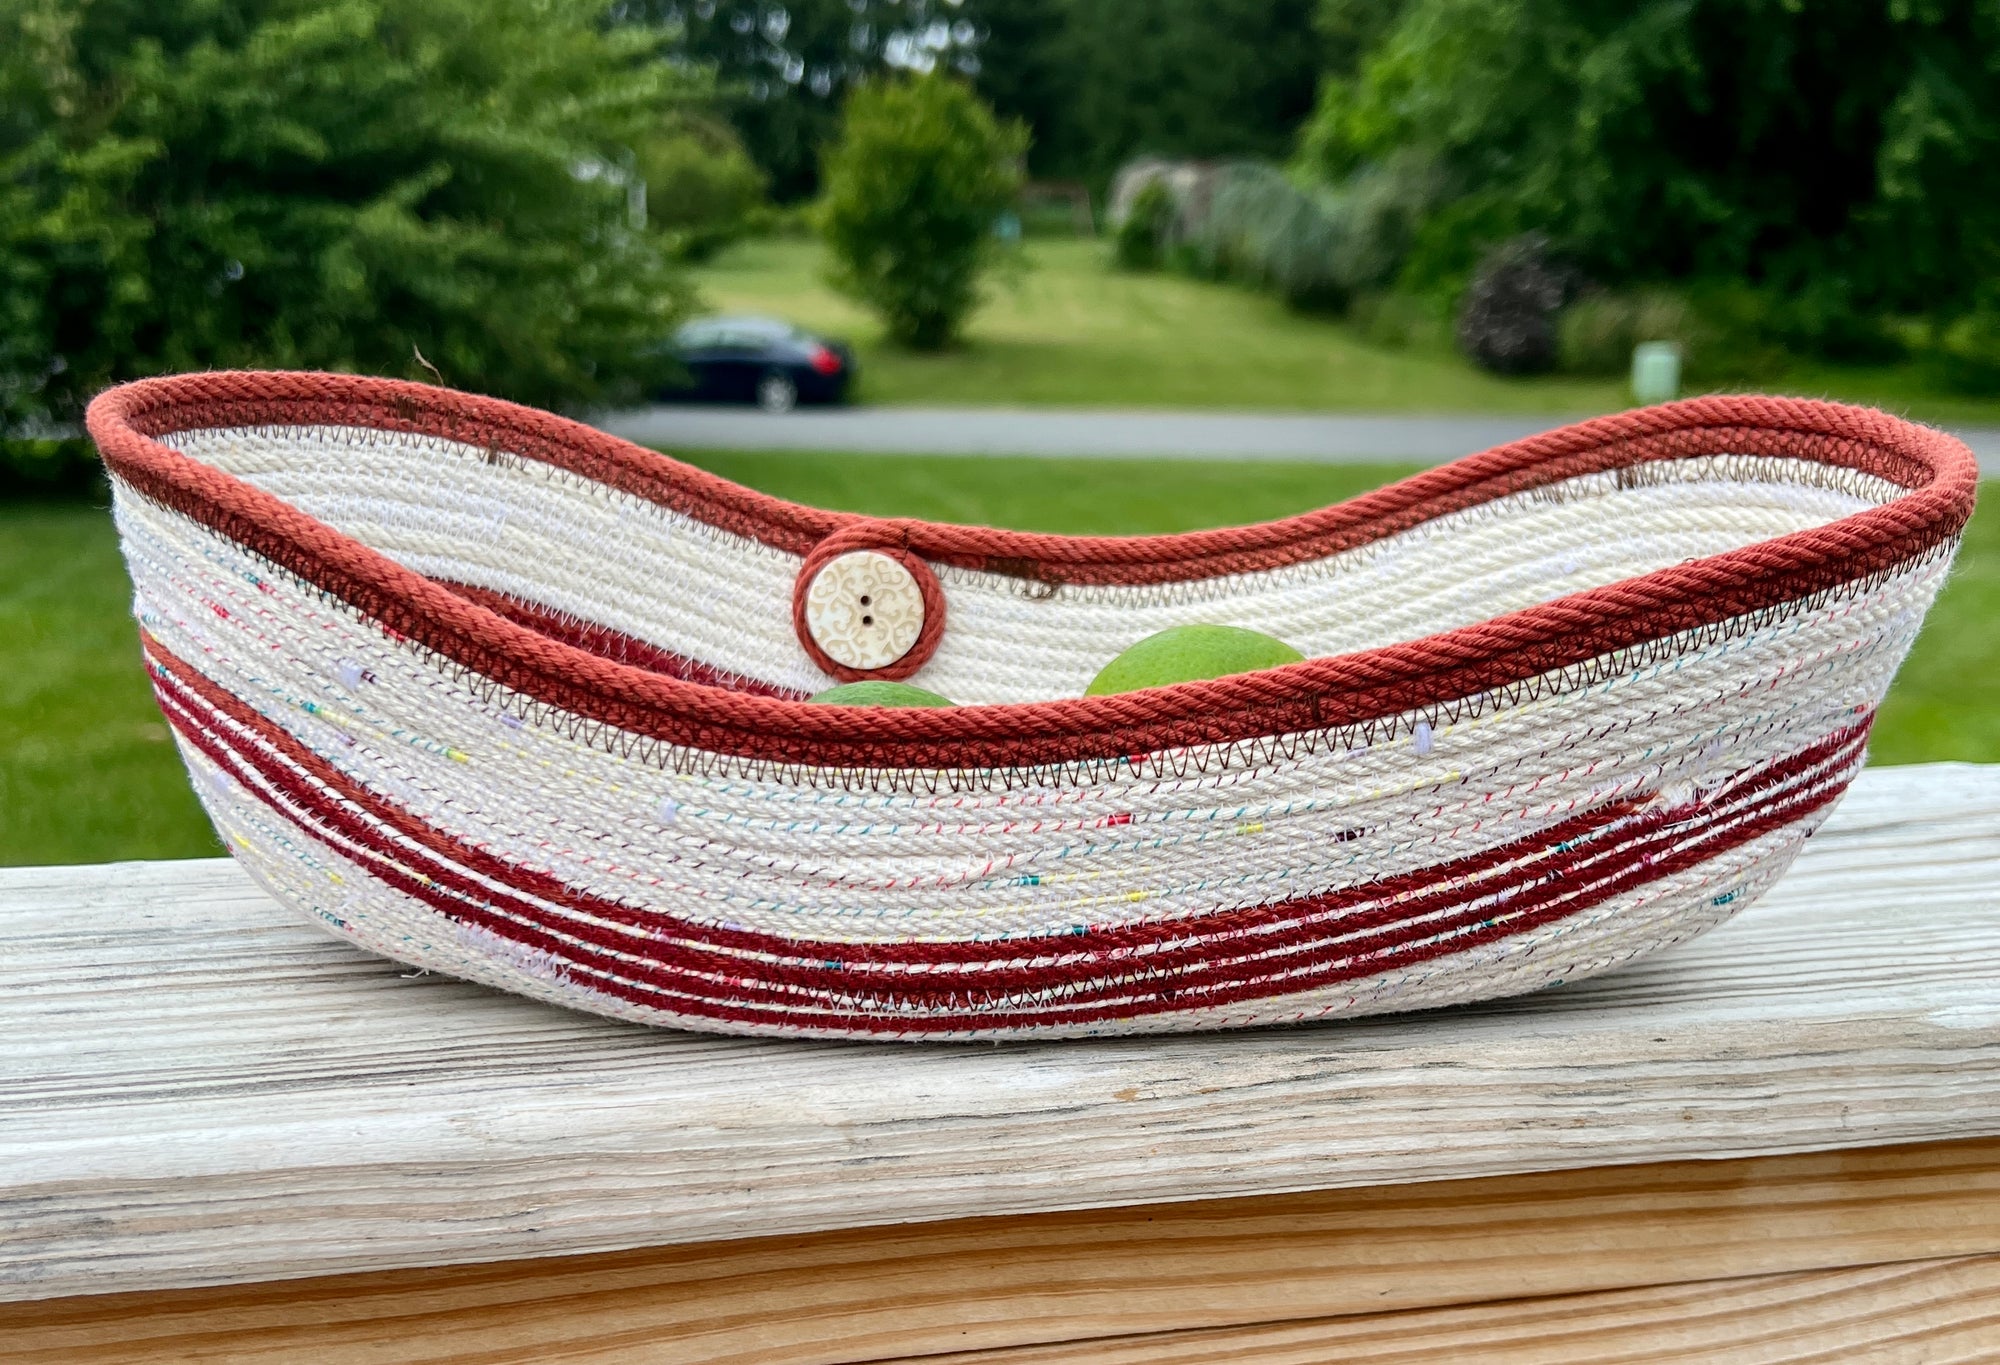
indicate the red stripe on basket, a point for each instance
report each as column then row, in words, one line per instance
column 1314, row 695
column 720, row 985
column 836, row 1012
column 1059, row 949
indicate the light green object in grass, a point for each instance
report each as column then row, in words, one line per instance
column 879, row 694
column 1188, row 654
column 1656, row 371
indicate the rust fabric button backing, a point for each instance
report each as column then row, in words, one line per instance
column 867, row 610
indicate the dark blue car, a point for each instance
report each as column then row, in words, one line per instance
column 760, row 360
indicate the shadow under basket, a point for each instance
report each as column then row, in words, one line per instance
column 495, row 694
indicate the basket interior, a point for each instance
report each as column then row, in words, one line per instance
column 625, row 577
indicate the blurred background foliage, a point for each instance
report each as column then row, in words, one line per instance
column 704, row 191
column 337, row 184
column 516, row 191
column 1759, row 180
column 784, row 67
column 1825, row 158
column 1097, row 80
column 1783, row 143
column 912, row 190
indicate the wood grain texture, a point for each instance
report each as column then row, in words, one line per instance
column 996, row 1283
column 197, row 1089
column 1911, row 1313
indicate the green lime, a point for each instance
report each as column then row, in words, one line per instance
column 879, row 694
column 1188, row 653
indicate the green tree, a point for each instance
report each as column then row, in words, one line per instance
column 702, row 188
column 912, row 189
column 785, row 66
column 1188, row 78
column 1022, row 68
column 334, row 184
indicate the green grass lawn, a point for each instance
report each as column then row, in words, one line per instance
column 87, row 773
column 1067, row 330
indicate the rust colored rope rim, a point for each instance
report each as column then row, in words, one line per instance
column 1936, row 471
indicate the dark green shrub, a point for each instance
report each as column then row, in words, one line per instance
column 327, row 184
column 1140, row 241
column 1507, row 318
column 1264, row 228
column 1186, row 79
column 1051, row 218
column 44, row 466
column 1386, row 206
column 786, row 66
column 1822, row 318
column 912, row 190
column 781, row 220
column 1729, row 333
column 1965, row 354
column 1736, row 333
column 1596, row 333
column 1739, row 341
column 1316, row 247
column 1403, row 321
column 702, row 190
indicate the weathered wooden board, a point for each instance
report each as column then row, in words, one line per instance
column 1091, row 1280
column 1910, row 1313
column 195, row 1089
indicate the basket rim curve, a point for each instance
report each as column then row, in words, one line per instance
column 1936, row 471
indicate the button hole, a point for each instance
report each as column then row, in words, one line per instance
column 867, row 620
column 864, row 599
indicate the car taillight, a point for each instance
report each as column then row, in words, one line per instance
column 825, row 361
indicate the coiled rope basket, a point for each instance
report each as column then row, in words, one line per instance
column 495, row 694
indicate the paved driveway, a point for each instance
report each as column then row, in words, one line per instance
column 1104, row 433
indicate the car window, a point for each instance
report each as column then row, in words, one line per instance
column 736, row 333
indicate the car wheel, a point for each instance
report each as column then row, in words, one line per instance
column 777, row 393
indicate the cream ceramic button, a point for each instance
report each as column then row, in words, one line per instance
column 864, row 610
